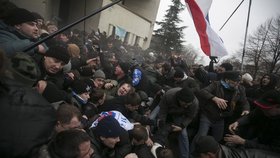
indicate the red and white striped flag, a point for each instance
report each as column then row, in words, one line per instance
column 211, row 43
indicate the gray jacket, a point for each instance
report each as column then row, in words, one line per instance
column 11, row 42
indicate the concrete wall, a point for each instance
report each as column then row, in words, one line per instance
column 145, row 8
column 119, row 16
column 82, row 8
column 47, row 8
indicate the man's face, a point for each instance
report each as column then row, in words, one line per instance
column 110, row 142
column 40, row 23
column 124, row 89
column 110, row 45
column 85, row 96
column 221, row 69
column 118, row 70
column 132, row 107
column 86, row 150
column 53, row 65
column 99, row 82
column 29, row 29
column 63, row 38
column 75, row 123
column 232, row 83
column 184, row 104
column 52, row 28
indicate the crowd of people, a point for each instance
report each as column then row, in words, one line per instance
column 81, row 95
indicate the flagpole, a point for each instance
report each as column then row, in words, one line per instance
column 70, row 25
column 246, row 32
column 231, row 15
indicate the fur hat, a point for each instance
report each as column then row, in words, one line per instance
column 185, row 94
column 108, row 127
column 247, row 77
column 19, row 16
column 58, row 52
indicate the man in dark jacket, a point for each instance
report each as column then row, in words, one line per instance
column 208, row 147
column 26, row 118
column 109, row 139
column 221, row 99
column 19, row 31
column 178, row 107
column 128, row 106
column 266, row 121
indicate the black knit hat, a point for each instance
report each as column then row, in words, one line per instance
column 52, row 94
column 80, row 87
column 205, row 144
column 58, row 52
column 185, row 94
column 227, row 66
column 179, row 74
column 268, row 100
column 108, row 127
column 125, row 67
column 19, row 16
column 37, row 15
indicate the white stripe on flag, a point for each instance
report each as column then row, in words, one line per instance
column 210, row 42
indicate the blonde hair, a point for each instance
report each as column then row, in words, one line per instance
column 73, row 50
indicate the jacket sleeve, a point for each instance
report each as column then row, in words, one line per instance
column 207, row 92
column 192, row 112
column 17, row 46
column 243, row 99
column 163, row 109
column 256, row 145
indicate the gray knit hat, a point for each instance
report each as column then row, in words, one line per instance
column 99, row 74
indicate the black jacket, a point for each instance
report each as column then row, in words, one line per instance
column 26, row 119
column 121, row 149
column 268, row 129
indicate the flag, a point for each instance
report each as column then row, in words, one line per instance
column 123, row 121
column 211, row 44
column 120, row 32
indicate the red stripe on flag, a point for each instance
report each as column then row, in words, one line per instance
column 200, row 26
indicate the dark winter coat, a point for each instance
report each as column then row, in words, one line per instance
column 171, row 112
column 27, row 120
column 235, row 97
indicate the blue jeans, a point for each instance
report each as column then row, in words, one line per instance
column 184, row 146
column 154, row 113
column 217, row 129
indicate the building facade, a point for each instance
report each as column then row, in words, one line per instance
column 132, row 20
